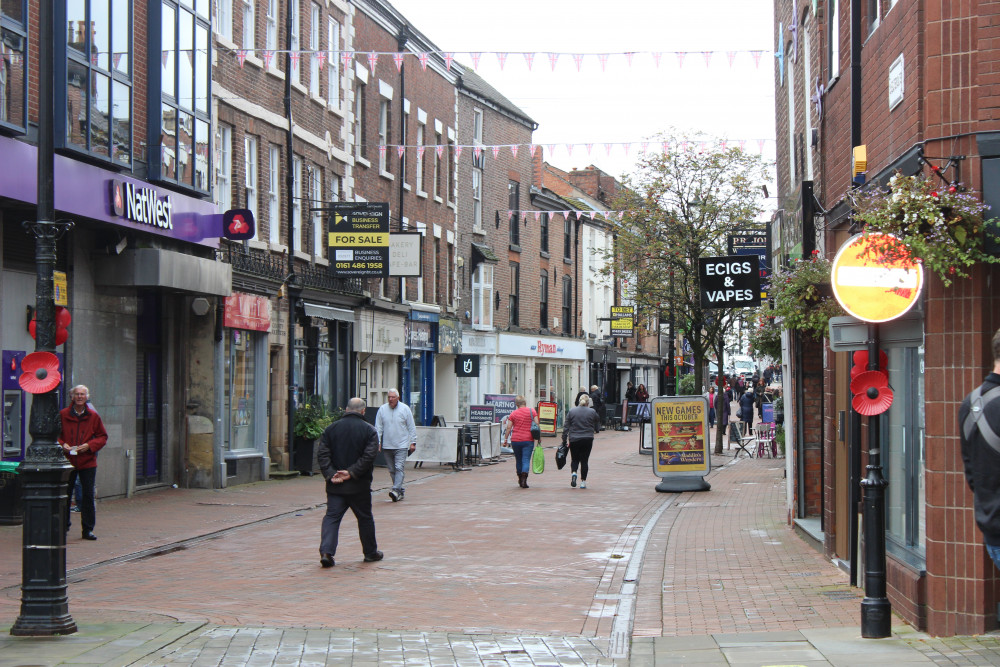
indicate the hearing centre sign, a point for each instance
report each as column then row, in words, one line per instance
column 359, row 239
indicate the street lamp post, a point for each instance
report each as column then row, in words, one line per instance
column 45, row 471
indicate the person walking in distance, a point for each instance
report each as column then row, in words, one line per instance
column 347, row 451
column 82, row 436
column 582, row 422
column 979, row 421
column 398, row 437
column 517, row 434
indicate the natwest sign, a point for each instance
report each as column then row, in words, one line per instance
column 247, row 311
column 142, row 205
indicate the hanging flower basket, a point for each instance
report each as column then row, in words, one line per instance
column 936, row 224
column 803, row 297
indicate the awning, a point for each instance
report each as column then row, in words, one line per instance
column 482, row 253
column 327, row 312
column 156, row 267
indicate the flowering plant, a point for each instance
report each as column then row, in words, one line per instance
column 765, row 337
column 936, row 224
column 312, row 418
column 803, row 298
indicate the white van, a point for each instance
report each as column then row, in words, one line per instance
column 744, row 365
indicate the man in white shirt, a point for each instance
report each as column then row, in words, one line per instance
column 397, row 436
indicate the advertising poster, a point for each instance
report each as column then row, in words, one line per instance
column 481, row 414
column 503, row 404
column 547, row 418
column 680, row 425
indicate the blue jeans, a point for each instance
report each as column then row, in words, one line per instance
column 395, row 461
column 994, row 552
column 522, row 455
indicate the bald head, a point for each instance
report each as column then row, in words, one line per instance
column 357, row 405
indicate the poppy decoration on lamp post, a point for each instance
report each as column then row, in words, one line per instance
column 872, row 395
column 40, row 373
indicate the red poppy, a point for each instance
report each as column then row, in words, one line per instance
column 872, row 395
column 41, row 373
column 861, row 362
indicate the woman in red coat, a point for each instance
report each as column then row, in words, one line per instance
column 82, row 437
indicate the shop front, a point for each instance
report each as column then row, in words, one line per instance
column 379, row 342
column 471, row 389
column 449, row 345
column 542, row 369
column 418, row 365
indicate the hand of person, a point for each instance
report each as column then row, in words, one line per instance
column 83, row 448
column 340, row 477
column 413, row 447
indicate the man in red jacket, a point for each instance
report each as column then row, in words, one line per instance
column 82, row 437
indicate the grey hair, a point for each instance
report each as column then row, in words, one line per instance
column 584, row 401
column 393, row 391
column 82, row 388
column 357, row 405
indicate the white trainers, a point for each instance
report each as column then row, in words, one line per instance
column 583, row 484
column 572, row 480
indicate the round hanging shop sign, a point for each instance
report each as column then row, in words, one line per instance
column 870, row 288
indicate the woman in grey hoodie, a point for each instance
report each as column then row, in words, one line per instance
column 582, row 422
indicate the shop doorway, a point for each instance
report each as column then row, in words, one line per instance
column 148, row 395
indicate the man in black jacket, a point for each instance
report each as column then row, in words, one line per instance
column 347, row 451
column 979, row 421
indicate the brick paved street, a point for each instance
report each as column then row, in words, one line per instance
column 477, row 571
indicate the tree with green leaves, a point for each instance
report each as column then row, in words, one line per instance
column 678, row 206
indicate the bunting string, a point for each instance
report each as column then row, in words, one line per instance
column 663, row 147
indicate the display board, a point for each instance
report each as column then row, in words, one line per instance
column 547, row 418
column 680, row 425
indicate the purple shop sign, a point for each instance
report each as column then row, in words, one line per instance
column 86, row 190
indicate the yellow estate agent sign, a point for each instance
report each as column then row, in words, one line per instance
column 680, row 442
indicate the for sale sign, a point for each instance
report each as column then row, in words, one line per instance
column 729, row 282
column 359, row 239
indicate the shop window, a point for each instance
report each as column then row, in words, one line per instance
column 482, row 297
column 13, row 82
column 512, row 379
column 183, row 50
column 97, row 98
column 240, row 396
column 902, row 435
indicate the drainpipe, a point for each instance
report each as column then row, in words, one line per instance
column 289, row 207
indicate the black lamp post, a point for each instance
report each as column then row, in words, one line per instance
column 45, row 471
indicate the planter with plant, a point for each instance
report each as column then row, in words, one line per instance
column 803, row 297
column 311, row 419
column 937, row 224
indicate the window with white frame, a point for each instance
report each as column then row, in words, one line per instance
column 296, row 204
column 874, row 14
column 438, row 176
column 314, row 28
column 477, row 199
column 360, row 132
column 833, row 39
column 420, row 159
column 403, row 136
column 224, row 18
column 435, row 291
column 271, row 31
column 224, row 167
column 273, row 194
column 450, row 162
column 316, row 201
column 384, row 134
column 249, row 25
column 333, row 63
column 250, row 182
column 296, row 46
column 482, row 297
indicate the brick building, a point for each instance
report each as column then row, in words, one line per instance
column 924, row 100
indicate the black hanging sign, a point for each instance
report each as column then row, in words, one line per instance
column 729, row 282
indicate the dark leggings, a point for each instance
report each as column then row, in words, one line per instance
column 579, row 451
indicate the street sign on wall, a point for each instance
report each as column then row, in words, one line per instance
column 869, row 287
column 359, row 239
column 729, row 282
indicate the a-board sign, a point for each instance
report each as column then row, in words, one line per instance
column 680, row 425
column 359, row 239
column 870, row 287
column 729, row 282
column 622, row 321
column 481, row 414
column 547, row 417
column 503, row 404
column 767, row 410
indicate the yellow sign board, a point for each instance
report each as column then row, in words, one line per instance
column 547, row 418
column 61, row 288
column 358, row 239
column 680, row 435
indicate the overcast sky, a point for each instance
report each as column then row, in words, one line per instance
column 623, row 102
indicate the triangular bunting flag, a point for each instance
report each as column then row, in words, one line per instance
column 449, row 58
column 538, row 216
column 347, row 57
column 627, row 146
column 756, row 57
column 644, row 146
column 666, row 147
column 118, row 60
column 513, row 149
column 420, row 152
column 743, row 144
column 760, row 146
column 320, row 58
column 532, row 149
column 553, row 57
column 475, row 59
column 164, row 55
column 551, row 148
column 400, row 150
column 607, row 148
column 373, row 59
column 266, row 56
column 732, row 56
column 708, row 57
column 578, row 57
column 569, row 150
column 381, row 151
column 439, row 150
column 241, row 57
column 458, row 152
column 656, row 58
column 529, row 57
column 423, row 60
column 398, row 59
column 680, row 58
column 590, row 147
column 603, row 57
column 294, row 55
column 496, row 152
column 477, row 151
column 501, row 58
column 628, row 57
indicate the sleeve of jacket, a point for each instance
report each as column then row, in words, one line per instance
column 380, row 422
column 566, row 424
column 99, row 436
column 411, row 425
column 324, row 457
column 367, row 460
column 963, row 413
